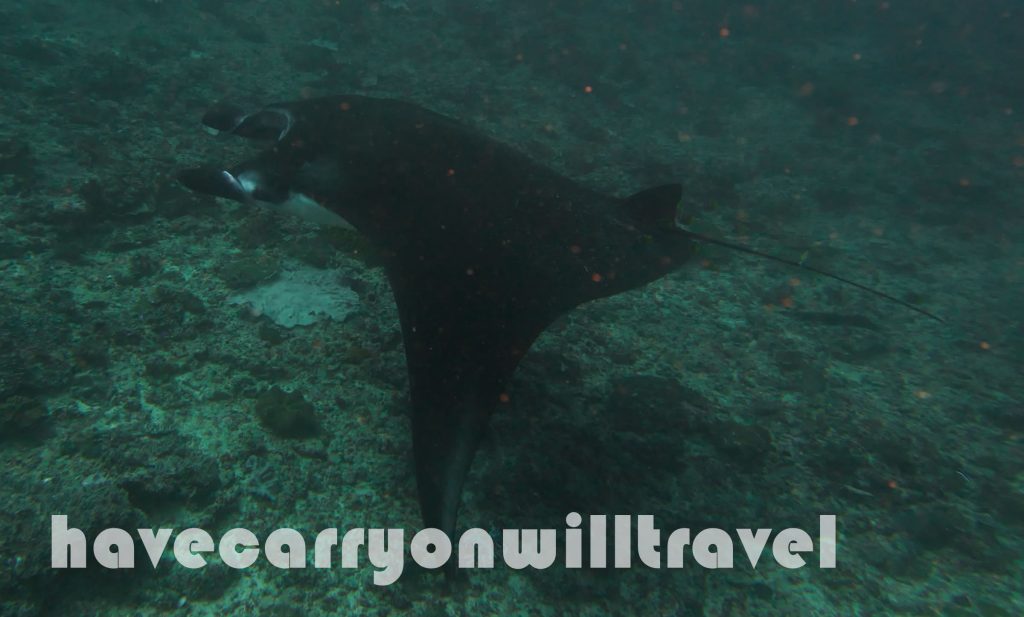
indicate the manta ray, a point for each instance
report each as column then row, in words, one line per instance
column 483, row 248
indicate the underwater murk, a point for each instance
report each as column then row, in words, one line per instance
column 441, row 307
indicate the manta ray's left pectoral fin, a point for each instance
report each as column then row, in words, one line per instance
column 463, row 339
column 266, row 124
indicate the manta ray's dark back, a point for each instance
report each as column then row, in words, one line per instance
column 483, row 248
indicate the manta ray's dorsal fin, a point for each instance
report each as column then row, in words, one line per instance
column 654, row 208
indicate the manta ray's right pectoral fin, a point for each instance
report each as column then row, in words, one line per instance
column 214, row 181
column 242, row 184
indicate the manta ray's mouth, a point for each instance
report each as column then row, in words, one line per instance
column 245, row 187
column 252, row 188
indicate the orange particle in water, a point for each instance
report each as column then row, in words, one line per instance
column 503, row 397
column 723, row 32
column 451, row 172
column 588, row 89
column 345, row 106
column 985, row 345
column 892, row 484
column 852, row 121
column 787, row 302
column 596, row 277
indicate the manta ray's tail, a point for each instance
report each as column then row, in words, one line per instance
column 803, row 266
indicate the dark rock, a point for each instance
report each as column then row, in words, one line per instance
column 317, row 254
column 1009, row 417
column 142, row 265
column 248, row 272
column 162, row 369
column 172, row 201
column 179, row 299
column 745, row 444
column 157, row 471
column 34, row 357
column 270, row 333
column 258, row 231
column 21, row 418
column 287, row 414
column 838, row 461
column 833, row 319
column 934, row 526
column 16, row 158
column 651, row 404
column 203, row 584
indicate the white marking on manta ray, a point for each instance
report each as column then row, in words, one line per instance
column 298, row 205
column 289, row 120
column 308, row 209
column 234, row 181
column 249, row 181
